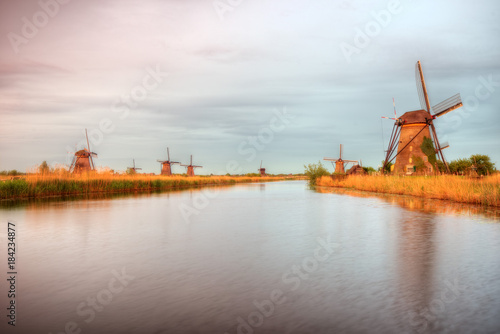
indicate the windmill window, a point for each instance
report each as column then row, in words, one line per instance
column 426, row 159
column 409, row 169
column 430, row 170
column 411, row 148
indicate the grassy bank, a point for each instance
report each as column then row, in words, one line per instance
column 50, row 185
column 483, row 191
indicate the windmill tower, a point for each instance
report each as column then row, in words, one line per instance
column 339, row 162
column 262, row 170
column 133, row 170
column 166, row 165
column 191, row 167
column 83, row 160
column 411, row 129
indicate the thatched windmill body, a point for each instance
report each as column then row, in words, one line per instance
column 191, row 167
column 411, row 129
column 83, row 160
column 166, row 165
column 261, row 170
column 340, row 163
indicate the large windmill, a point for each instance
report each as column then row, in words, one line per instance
column 166, row 165
column 262, row 170
column 83, row 160
column 191, row 167
column 413, row 127
column 339, row 162
column 133, row 170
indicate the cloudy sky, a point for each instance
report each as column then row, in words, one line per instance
column 283, row 81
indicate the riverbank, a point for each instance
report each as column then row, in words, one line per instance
column 482, row 191
column 34, row 186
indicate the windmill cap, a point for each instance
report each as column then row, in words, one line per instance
column 416, row 116
column 82, row 153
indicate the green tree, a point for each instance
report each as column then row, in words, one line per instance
column 369, row 170
column 314, row 171
column 387, row 168
column 483, row 164
column 441, row 166
column 44, row 168
column 460, row 166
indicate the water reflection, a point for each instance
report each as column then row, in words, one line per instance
column 423, row 204
column 395, row 254
column 81, row 199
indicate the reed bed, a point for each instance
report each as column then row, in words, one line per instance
column 50, row 185
column 482, row 191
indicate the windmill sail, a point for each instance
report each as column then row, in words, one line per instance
column 447, row 105
column 421, row 89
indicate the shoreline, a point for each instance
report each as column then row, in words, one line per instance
column 459, row 189
column 44, row 187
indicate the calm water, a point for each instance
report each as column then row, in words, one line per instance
column 255, row 258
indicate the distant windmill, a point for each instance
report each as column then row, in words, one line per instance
column 133, row 169
column 191, row 167
column 166, row 165
column 339, row 162
column 410, row 130
column 262, row 170
column 83, row 159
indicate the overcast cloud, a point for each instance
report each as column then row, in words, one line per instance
column 228, row 77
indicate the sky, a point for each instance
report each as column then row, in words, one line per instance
column 237, row 82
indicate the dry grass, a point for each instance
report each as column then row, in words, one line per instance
column 483, row 191
column 64, row 184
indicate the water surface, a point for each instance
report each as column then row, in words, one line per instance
column 262, row 258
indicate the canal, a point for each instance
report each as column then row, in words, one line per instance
column 253, row 258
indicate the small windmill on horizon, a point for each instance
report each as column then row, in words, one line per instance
column 83, row 159
column 339, row 162
column 166, row 165
column 133, row 170
column 410, row 131
column 191, row 167
column 262, row 170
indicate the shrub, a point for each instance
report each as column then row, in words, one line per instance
column 315, row 171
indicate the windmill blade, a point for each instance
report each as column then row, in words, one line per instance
column 394, row 104
column 191, row 160
column 197, row 166
column 443, row 146
column 349, row 161
column 91, row 162
column 447, row 105
column 340, row 152
column 261, row 164
column 72, row 166
column 422, row 90
column 390, row 118
column 330, row 159
column 168, row 154
column 88, row 144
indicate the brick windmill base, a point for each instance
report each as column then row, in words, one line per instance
column 166, row 169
